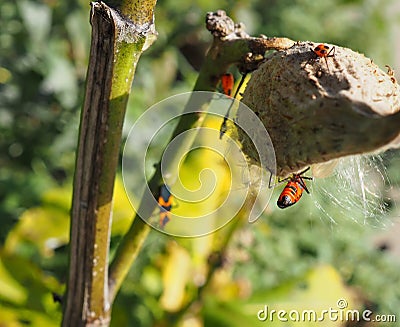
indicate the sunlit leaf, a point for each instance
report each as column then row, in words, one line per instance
column 44, row 228
column 176, row 274
column 320, row 289
column 10, row 289
column 122, row 209
column 29, row 291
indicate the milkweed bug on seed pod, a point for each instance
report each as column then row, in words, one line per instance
column 324, row 51
column 293, row 190
column 165, row 204
column 227, row 83
column 223, row 127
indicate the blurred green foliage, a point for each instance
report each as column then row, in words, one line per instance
column 288, row 259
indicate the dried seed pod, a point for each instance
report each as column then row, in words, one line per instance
column 316, row 109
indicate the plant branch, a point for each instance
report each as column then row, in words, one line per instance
column 230, row 46
column 115, row 49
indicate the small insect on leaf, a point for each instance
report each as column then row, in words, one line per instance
column 293, row 190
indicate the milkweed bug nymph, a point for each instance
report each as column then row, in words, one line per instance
column 227, row 83
column 324, row 51
column 293, row 190
column 165, row 204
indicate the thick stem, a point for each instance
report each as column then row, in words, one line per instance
column 111, row 69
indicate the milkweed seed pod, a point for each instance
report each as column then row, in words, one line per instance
column 318, row 109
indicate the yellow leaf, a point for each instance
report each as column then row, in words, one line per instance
column 175, row 276
column 45, row 227
column 10, row 289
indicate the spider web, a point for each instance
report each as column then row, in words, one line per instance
column 358, row 190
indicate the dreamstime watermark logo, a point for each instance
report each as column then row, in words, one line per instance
column 149, row 143
column 341, row 314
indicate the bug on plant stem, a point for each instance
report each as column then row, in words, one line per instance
column 223, row 127
column 165, row 204
column 227, row 83
column 293, row 190
column 324, row 51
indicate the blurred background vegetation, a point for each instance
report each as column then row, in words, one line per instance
column 334, row 244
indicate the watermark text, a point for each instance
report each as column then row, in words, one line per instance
column 340, row 313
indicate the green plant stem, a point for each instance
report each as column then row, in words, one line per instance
column 221, row 55
column 111, row 69
column 133, row 240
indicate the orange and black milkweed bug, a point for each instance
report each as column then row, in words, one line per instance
column 227, row 83
column 324, row 51
column 165, row 199
column 293, row 190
